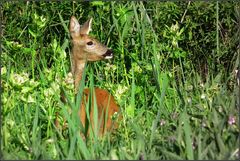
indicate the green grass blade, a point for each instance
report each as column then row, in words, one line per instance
column 188, row 136
column 171, row 155
column 63, row 23
column 199, row 148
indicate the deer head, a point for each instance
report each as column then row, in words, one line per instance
column 85, row 48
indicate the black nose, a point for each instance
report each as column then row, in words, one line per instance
column 108, row 53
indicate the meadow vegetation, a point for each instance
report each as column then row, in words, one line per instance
column 173, row 76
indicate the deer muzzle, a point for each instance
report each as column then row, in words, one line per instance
column 108, row 54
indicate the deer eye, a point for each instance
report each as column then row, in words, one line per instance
column 89, row 43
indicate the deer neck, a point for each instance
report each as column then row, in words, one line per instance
column 78, row 66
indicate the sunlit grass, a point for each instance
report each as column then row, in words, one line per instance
column 170, row 109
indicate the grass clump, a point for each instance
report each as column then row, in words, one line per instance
column 173, row 76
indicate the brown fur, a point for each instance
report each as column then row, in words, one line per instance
column 106, row 107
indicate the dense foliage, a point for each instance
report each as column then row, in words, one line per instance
column 173, row 75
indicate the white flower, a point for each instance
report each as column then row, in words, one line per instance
column 48, row 92
column 69, row 79
column 189, row 100
column 174, row 27
column 19, row 79
column 203, row 96
column 3, row 70
column 29, row 99
column 121, row 89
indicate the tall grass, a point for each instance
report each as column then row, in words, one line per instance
column 176, row 101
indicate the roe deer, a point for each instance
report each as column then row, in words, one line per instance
column 85, row 48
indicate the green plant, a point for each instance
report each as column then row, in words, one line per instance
column 172, row 75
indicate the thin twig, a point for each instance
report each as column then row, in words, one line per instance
column 185, row 11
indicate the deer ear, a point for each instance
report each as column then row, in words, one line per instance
column 74, row 27
column 86, row 27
